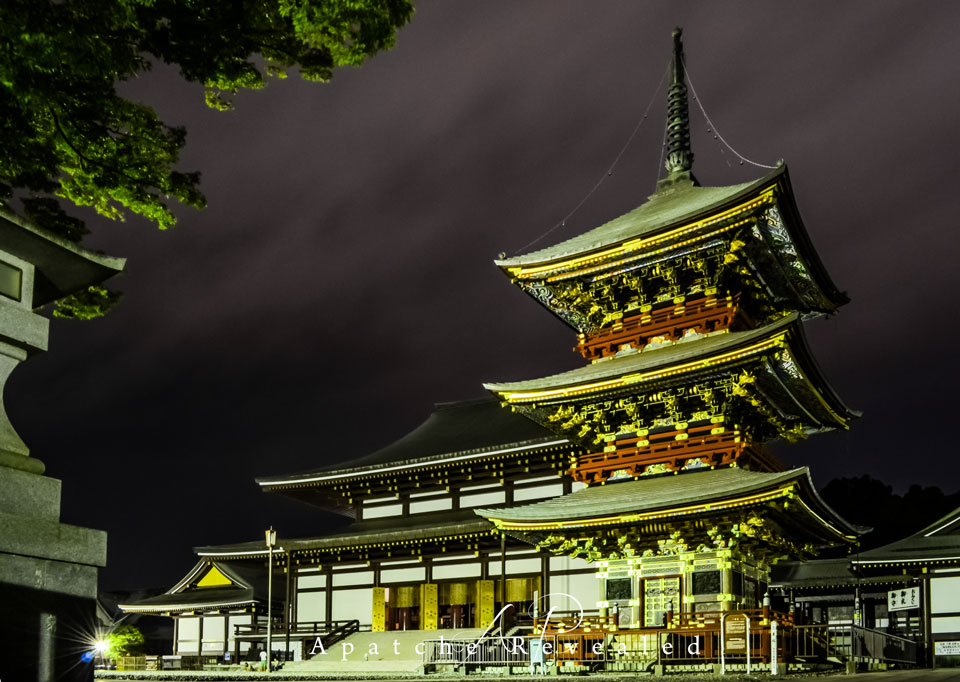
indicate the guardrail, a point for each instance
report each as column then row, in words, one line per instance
column 694, row 642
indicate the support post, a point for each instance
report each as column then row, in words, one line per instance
column 286, row 611
column 271, row 537
column 774, row 660
column 506, row 619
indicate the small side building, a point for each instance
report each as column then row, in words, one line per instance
column 909, row 588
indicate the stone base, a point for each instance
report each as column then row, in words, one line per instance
column 44, row 634
column 48, row 583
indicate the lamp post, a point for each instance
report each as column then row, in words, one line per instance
column 271, row 536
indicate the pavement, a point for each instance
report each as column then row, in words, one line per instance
column 941, row 675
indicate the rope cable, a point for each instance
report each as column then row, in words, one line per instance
column 609, row 171
column 713, row 127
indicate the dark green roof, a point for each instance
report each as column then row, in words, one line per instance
column 648, row 359
column 249, row 587
column 661, row 493
column 663, row 210
column 794, row 384
column 825, row 573
column 940, row 541
column 376, row 531
column 455, row 429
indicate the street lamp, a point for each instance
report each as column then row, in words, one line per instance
column 271, row 536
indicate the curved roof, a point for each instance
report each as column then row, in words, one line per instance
column 662, row 210
column 794, row 384
column 673, row 495
column 457, row 429
column 248, row 585
column 62, row 267
column 397, row 530
column 651, row 358
column 940, row 541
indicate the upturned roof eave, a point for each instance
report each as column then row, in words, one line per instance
column 339, row 475
column 359, row 534
column 653, row 359
column 763, row 482
column 63, row 266
column 804, row 244
column 679, row 354
column 554, row 253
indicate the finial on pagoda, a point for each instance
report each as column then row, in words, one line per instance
column 679, row 156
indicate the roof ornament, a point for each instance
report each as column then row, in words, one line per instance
column 679, row 159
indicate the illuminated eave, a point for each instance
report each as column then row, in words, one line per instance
column 905, row 562
column 614, row 383
column 243, row 554
column 619, row 519
column 172, row 608
column 306, row 550
column 634, row 249
column 323, row 479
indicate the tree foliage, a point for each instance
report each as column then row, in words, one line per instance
column 126, row 640
column 872, row 503
column 66, row 133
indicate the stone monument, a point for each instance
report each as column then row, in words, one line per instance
column 48, row 569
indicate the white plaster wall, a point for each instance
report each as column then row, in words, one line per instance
column 940, row 624
column 538, row 492
column 403, row 575
column 480, row 499
column 431, row 505
column 353, row 605
column 213, row 639
column 311, row 606
column 358, row 578
column 187, row 629
column 471, row 571
column 382, row 512
column 307, row 581
column 516, row 567
column 585, row 587
column 945, row 595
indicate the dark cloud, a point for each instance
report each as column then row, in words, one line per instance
column 342, row 280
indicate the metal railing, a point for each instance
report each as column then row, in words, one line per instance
column 692, row 641
column 336, row 629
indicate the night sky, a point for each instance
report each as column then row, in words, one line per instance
column 342, row 279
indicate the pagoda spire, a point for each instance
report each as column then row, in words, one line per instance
column 679, row 160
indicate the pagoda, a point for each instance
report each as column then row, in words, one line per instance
column 689, row 310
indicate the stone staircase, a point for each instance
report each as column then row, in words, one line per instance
column 375, row 652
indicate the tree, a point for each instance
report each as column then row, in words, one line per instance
column 65, row 133
column 869, row 502
column 126, row 640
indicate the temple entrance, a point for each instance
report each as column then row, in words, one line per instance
column 454, row 605
column 457, row 605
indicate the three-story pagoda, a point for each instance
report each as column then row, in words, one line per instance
column 689, row 310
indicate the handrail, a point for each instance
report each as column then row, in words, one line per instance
column 319, row 628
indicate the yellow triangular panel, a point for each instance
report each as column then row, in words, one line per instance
column 214, row 578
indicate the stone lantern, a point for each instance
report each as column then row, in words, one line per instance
column 48, row 569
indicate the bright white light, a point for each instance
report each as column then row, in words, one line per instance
column 101, row 646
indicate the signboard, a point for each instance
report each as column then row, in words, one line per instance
column 947, row 648
column 735, row 633
column 903, row 599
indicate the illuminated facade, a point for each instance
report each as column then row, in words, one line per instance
column 638, row 483
column 414, row 554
